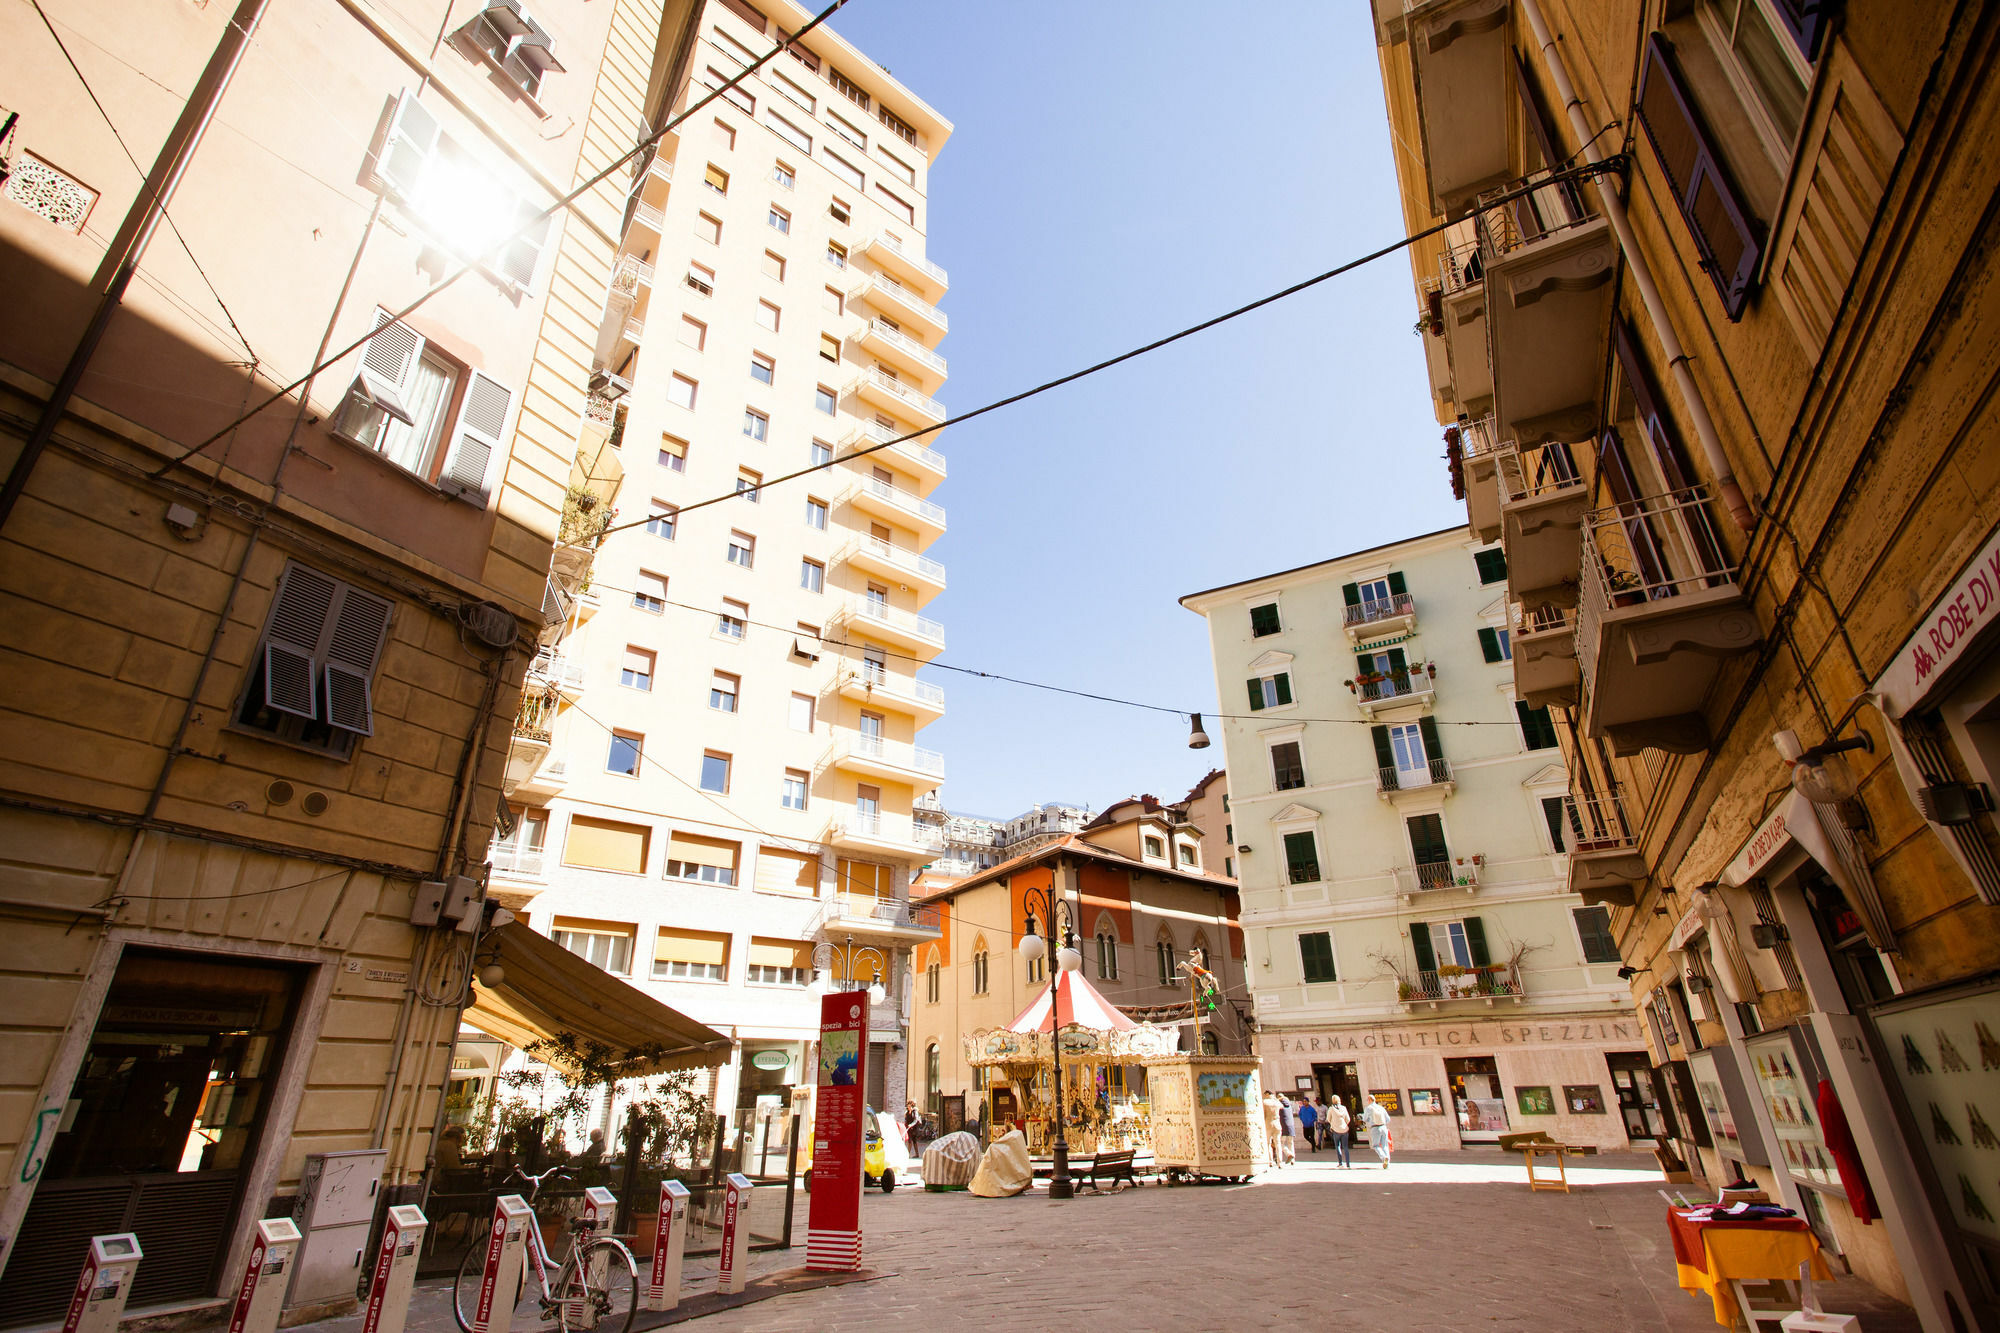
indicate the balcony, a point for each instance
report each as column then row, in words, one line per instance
column 878, row 497
column 1374, row 618
column 870, row 914
column 518, row 862
column 901, row 304
column 1461, row 59
column 655, row 181
column 878, row 620
column 1550, row 270
column 1462, row 312
column 894, row 562
column 1434, row 778
column 899, row 349
column 1605, row 863
column 1542, row 503
column 892, row 395
column 1544, row 646
column 907, row 264
column 631, row 281
column 551, row 670
column 1658, row 613
column 877, row 835
column 533, row 771
column 892, row 761
column 1462, row 986
column 646, row 218
column 1394, row 690
column 1436, row 876
column 906, row 694
column 927, row 463
column 1482, row 450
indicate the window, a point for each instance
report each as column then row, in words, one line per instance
column 399, row 406
column 822, row 454
column 1593, row 928
column 979, row 968
column 600, row 943
column 680, row 391
column 836, row 254
column 623, row 758
column 812, row 576
column 788, row 131
column 829, row 348
column 701, row 279
column 1288, row 769
column 782, row 174
column 790, row 89
column 651, row 593
column 1107, row 955
column 762, row 368
column 1316, row 956
column 722, row 692
column 1301, row 857
column 825, row 399
column 742, row 548
column 1492, row 565
column 803, row 707
column 660, row 520
column 767, row 316
column 846, row 129
column 707, row 228
column 834, row 302
column 1229, row 866
column 779, row 962
column 673, row 453
column 1494, row 644
column 311, row 679
column 780, row 220
column 715, row 772
column 1270, row 691
column 691, row 955
column 846, row 171
column 1462, row 943
column 896, row 125
column 794, row 795
column 1036, row 974
column 1263, row 620
column 1163, row 955
column 736, row 97
column 1536, row 729
column 1156, row 848
column 694, row 333
column 897, row 165
column 816, row 513
column 1186, row 853
column 637, row 671
column 774, row 265
column 602, row 844
column 896, row 204
column 716, row 179
column 522, row 57
column 837, row 210
column 735, row 615
column 430, row 174
column 724, row 135
column 932, row 987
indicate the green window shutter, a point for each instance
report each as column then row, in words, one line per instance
column 1475, row 940
column 1492, row 565
column 1396, row 585
column 1364, row 662
column 1427, row 727
column 1284, row 681
column 1350, row 593
column 1397, row 662
column 1301, row 858
column 1420, row 944
column 1552, row 810
column 1489, row 644
column 1256, row 693
column 1316, row 956
column 1427, row 839
column 1264, row 619
column 1536, row 728
column 1385, row 757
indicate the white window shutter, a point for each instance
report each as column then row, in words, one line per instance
column 481, row 423
column 298, row 619
column 394, row 349
column 353, row 645
column 523, row 255
column 407, row 148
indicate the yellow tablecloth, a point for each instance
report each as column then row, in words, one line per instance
column 1748, row 1254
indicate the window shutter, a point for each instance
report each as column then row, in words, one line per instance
column 352, row 649
column 1256, row 693
column 407, row 147
column 480, row 423
column 1475, row 940
column 1364, row 663
column 1385, row 757
column 1420, row 944
column 523, row 255
column 1397, row 588
column 1284, row 680
column 1350, row 593
column 1397, row 662
column 1489, row 644
column 1552, row 811
column 1427, row 727
column 386, row 361
column 1427, row 839
column 298, row 620
column 1806, row 21
column 1728, row 239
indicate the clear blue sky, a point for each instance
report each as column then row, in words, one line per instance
column 1119, row 171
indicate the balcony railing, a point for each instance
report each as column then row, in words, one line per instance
column 1522, row 620
column 900, row 754
column 1411, row 684
column 1372, row 610
column 1495, row 981
column 549, row 668
column 1527, row 473
column 1553, row 206
column 629, row 275
column 909, row 345
column 902, row 499
column 522, row 861
column 921, row 404
column 909, row 622
column 1481, row 440
column 877, row 433
column 1596, row 823
column 900, row 913
column 879, row 287
column 645, row 215
column 921, row 565
column 1648, row 550
column 1398, row 779
column 1426, row 876
column 888, row 242
column 900, row 687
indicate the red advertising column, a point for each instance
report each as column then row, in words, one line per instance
column 833, row 1225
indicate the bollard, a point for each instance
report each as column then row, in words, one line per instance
column 663, row 1283
column 104, row 1284
column 261, row 1297
column 395, row 1270
column 735, row 1270
column 500, row 1280
column 600, row 1208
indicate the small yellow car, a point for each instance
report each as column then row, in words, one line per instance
column 875, row 1159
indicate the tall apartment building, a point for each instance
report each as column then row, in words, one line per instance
column 716, row 792
column 1400, row 821
column 960, row 844
column 1724, row 402
column 257, row 692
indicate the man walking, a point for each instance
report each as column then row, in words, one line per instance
column 1288, row 1126
column 1337, row 1122
column 1377, row 1118
column 1309, row 1122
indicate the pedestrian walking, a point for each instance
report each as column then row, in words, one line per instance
column 1338, row 1122
column 1271, row 1134
column 1377, row 1117
column 1288, row 1128
column 1309, row 1122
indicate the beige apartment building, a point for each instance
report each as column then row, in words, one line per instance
column 716, row 785
column 1708, row 333
column 259, row 673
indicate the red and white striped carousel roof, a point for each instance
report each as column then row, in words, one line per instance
column 1075, row 1001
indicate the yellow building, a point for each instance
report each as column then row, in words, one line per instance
column 259, row 669
column 1705, row 324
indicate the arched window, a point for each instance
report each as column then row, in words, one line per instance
column 1201, row 943
column 1209, row 1045
column 1035, row 965
column 979, row 961
column 1164, row 952
column 932, row 988
column 1107, row 954
column 933, row 1073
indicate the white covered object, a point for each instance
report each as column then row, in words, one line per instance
column 1005, row 1169
column 951, row 1160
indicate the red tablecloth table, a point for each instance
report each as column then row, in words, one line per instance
column 1709, row 1255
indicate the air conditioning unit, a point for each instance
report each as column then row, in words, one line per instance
column 1954, row 802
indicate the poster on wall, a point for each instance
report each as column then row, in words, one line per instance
column 1426, row 1101
column 1782, row 1072
column 833, row 1226
column 1392, row 1100
column 1482, row 1114
column 1719, row 1109
column 1945, row 1056
column 1536, row 1101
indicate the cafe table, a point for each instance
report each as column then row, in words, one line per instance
column 1717, row 1256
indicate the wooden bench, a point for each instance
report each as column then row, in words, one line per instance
column 1114, row 1166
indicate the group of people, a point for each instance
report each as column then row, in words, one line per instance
column 1322, row 1126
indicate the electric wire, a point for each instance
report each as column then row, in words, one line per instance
column 122, row 897
column 499, row 246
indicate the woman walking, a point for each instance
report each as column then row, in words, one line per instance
column 1377, row 1117
column 1338, row 1122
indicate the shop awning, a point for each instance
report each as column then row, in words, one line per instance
column 548, row 991
column 1075, row 1001
column 1817, row 831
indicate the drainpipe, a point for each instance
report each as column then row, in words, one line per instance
column 1642, row 277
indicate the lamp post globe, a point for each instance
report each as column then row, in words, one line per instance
column 1069, row 958
column 1032, row 945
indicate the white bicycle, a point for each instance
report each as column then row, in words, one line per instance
column 595, row 1289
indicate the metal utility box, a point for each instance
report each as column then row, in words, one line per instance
column 336, row 1208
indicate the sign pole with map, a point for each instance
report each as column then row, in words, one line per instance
column 833, row 1224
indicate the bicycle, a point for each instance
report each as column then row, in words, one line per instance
column 594, row 1281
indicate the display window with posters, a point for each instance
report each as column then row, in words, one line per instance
column 1787, row 1074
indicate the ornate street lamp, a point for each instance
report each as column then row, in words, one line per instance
column 834, row 968
column 1058, row 912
